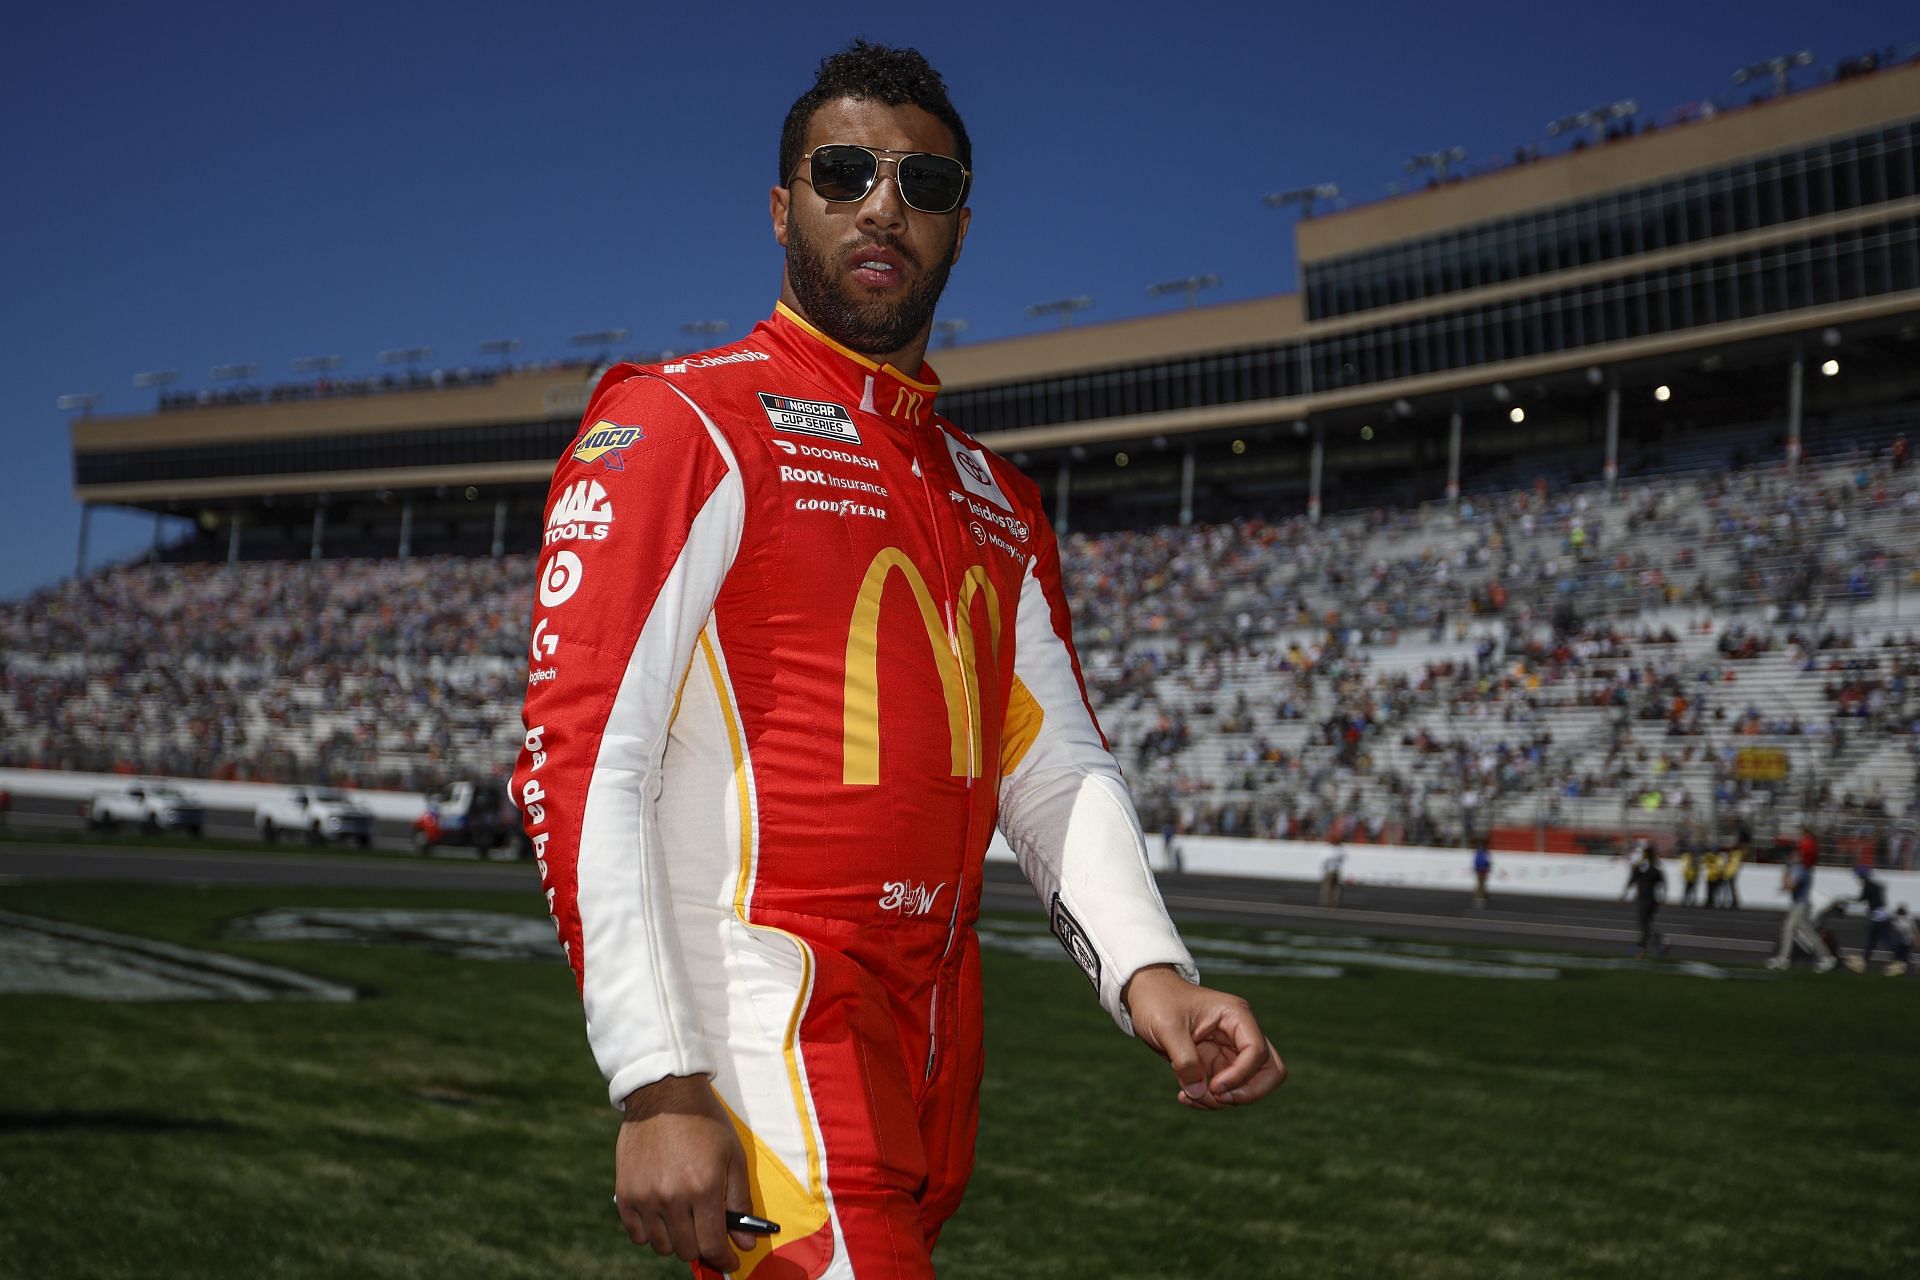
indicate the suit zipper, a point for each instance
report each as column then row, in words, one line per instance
column 954, row 622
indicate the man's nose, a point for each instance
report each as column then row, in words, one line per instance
column 884, row 208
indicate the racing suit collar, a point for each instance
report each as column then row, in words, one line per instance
column 878, row 388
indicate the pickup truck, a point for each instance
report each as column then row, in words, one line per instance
column 464, row 813
column 316, row 815
column 151, row 806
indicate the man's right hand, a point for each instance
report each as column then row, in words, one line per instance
column 678, row 1170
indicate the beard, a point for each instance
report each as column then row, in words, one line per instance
column 875, row 328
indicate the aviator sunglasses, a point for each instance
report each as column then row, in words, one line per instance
column 844, row 171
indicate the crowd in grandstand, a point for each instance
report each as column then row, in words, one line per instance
column 1419, row 675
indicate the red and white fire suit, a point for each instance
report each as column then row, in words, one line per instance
column 800, row 644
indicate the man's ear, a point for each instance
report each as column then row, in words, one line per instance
column 779, row 204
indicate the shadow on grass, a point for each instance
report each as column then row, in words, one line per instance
column 67, row 1121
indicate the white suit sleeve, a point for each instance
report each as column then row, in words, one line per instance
column 1066, row 810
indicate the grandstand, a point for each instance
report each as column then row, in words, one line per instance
column 1549, row 506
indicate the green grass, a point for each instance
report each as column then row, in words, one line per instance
column 452, row 1125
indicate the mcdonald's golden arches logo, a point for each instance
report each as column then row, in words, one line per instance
column 954, row 659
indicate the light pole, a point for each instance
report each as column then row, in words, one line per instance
column 1440, row 162
column 237, row 372
column 947, row 332
column 408, row 356
column 1595, row 118
column 1302, row 196
column 603, row 339
column 317, row 364
column 1189, row 285
column 1062, row 307
column 704, row 328
column 80, row 402
column 157, row 379
column 1778, row 69
column 502, row 347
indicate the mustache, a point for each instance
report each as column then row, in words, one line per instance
column 892, row 244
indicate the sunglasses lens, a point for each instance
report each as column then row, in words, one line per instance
column 843, row 173
column 932, row 184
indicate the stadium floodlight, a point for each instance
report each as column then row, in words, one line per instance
column 704, row 328
column 1302, row 196
column 1062, row 307
column 598, row 337
column 1440, row 162
column 405, row 355
column 317, row 364
column 1189, row 285
column 1663, row 393
column 1595, row 118
column 502, row 347
column 80, row 402
column 156, row 378
column 1777, row 69
column 1830, row 368
column 1516, row 414
column 948, row 331
column 237, row 372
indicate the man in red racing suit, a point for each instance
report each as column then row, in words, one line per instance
column 800, row 646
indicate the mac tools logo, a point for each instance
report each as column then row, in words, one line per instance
column 583, row 514
column 976, row 476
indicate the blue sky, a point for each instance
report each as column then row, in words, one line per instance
column 195, row 184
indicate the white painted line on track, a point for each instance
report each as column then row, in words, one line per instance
column 1483, row 925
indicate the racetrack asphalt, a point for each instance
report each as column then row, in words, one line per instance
column 1743, row 936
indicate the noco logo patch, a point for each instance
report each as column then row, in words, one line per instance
column 810, row 417
column 1075, row 940
column 606, row 438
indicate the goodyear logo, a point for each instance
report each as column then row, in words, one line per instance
column 606, row 437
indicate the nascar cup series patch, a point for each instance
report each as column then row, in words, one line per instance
column 810, row 417
column 606, row 440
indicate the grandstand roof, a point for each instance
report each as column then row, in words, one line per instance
column 1630, row 256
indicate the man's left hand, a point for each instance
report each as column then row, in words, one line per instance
column 1210, row 1038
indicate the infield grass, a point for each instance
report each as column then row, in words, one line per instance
column 451, row 1124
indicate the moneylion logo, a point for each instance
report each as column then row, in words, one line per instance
column 583, row 512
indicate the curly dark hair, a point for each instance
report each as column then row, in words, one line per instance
column 872, row 71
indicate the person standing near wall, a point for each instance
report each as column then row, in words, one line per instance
column 1647, row 885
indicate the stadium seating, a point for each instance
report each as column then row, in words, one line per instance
column 1553, row 661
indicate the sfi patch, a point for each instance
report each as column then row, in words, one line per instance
column 810, row 417
column 606, row 440
column 1074, row 938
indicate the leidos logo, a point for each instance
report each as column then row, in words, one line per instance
column 606, row 440
column 582, row 514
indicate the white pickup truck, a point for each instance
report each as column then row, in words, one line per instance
column 151, row 806
column 315, row 815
